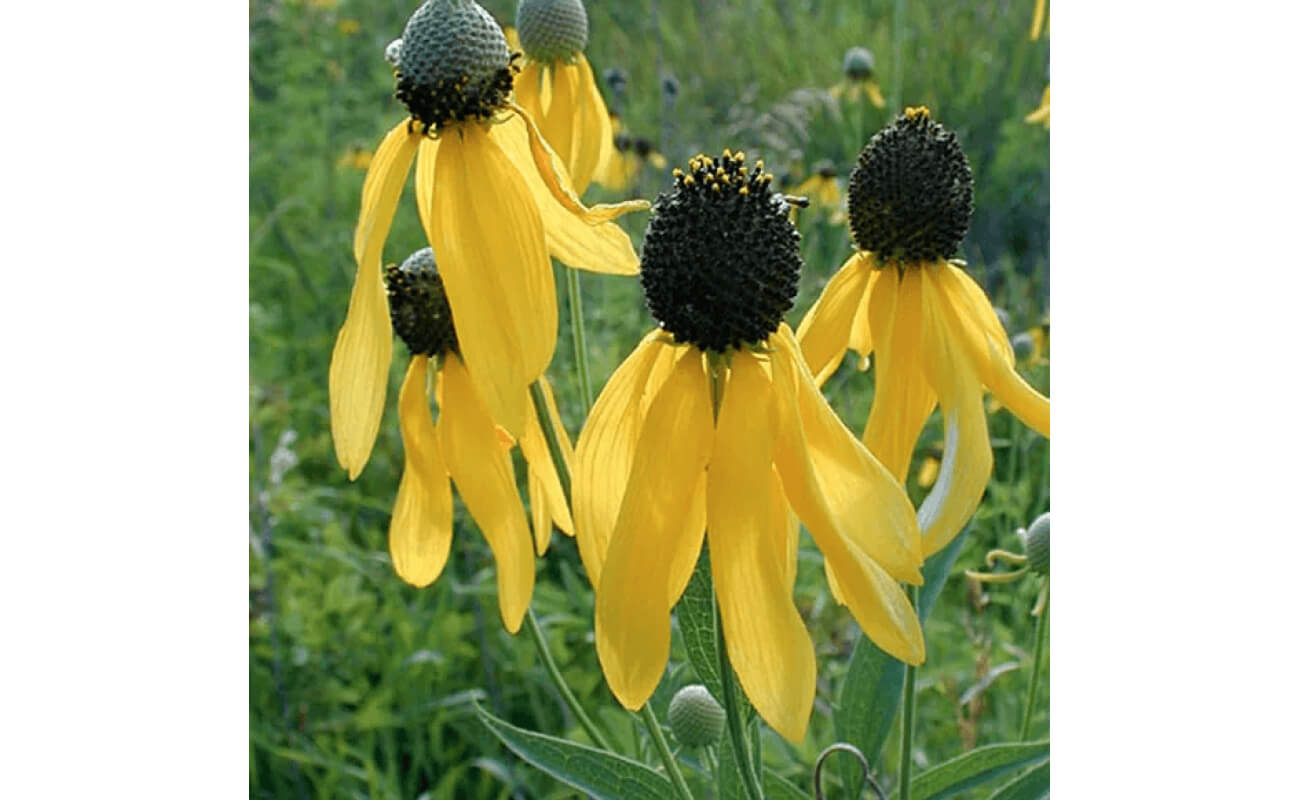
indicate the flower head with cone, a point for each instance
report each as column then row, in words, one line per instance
column 714, row 423
column 466, row 447
column 557, row 87
column 494, row 201
column 935, row 335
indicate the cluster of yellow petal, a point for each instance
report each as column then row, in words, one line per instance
column 654, row 471
column 936, row 340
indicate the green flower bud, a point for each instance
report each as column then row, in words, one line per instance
column 1023, row 345
column 1036, row 544
column 859, row 63
column 695, row 717
column 552, row 30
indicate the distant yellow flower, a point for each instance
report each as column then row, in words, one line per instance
column 556, row 86
column 714, row 422
column 349, row 27
column 630, row 156
column 1043, row 113
column 859, row 77
column 493, row 203
column 466, row 447
column 822, row 186
column 936, row 337
column 356, row 157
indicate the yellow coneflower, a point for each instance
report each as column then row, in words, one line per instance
column 466, row 447
column 492, row 202
column 630, row 155
column 714, row 422
column 859, row 77
column 936, row 337
column 556, row 86
column 356, row 157
column 1043, row 113
column 822, row 186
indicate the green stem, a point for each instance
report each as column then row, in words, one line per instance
column 665, row 755
column 539, row 641
column 896, row 95
column 552, row 439
column 647, row 716
column 1040, row 638
column 909, row 717
column 731, row 702
column 579, row 338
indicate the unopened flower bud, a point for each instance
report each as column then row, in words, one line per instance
column 695, row 717
column 1036, row 544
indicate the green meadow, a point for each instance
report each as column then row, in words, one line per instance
column 362, row 686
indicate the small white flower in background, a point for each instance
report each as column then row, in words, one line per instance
column 283, row 458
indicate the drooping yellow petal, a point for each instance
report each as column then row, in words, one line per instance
column 683, row 561
column 528, row 87
column 419, row 535
column 873, row 93
column 1043, row 113
column 559, row 510
column 560, row 124
column 986, row 344
column 557, row 180
column 538, row 454
column 487, row 236
column 820, row 492
column 633, row 628
column 617, row 171
column 485, row 479
column 904, row 399
column 1036, row 27
column 424, row 170
column 848, row 500
column 593, row 246
column 967, row 457
column 358, row 374
column 597, row 130
column 748, row 532
column 603, row 459
column 825, row 330
column 512, row 39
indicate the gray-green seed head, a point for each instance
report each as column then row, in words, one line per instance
column 552, row 30
column 453, row 63
column 417, row 303
column 695, row 717
column 859, row 63
column 1023, row 345
column 1037, row 545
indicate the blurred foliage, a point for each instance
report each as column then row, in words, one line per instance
column 360, row 685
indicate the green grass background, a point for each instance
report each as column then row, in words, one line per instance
column 359, row 684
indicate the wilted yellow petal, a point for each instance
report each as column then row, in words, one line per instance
column 825, row 330
column 904, row 399
column 1036, row 27
column 633, row 628
column 491, row 250
column 557, row 180
column 822, row 491
column 603, row 459
column 358, row 374
column 967, row 456
column 485, row 479
column 419, row 535
column 597, row 130
column 847, row 498
column 986, row 344
column 593, row 246
column 748, row 531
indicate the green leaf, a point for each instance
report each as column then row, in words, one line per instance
column 873, row 686
column 601, row 775
column 976, row 767
column 778, row 788
column 1032, row 785
column 695, row 619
